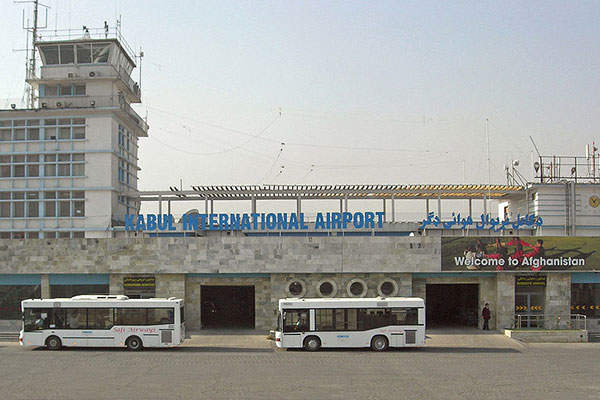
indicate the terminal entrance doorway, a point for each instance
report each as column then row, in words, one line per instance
column 452, row 305
column 227, row 307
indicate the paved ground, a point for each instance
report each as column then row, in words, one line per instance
column 454, row 365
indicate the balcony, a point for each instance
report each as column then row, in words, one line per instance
column 116, row 102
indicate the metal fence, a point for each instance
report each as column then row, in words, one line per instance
column 550, row 321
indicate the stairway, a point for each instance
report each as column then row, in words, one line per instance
column 594, row 337
column 9, row 336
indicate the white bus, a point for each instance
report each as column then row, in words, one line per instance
column 102, row 321
column 378, row 323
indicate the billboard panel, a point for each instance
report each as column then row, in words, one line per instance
column 533, row 253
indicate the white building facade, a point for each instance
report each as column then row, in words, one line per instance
column 68, row 167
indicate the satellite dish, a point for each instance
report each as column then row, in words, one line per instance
column 536, row 166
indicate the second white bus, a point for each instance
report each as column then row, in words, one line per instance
column 377, row 323
column 102, row 321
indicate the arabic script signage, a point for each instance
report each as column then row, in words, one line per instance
column 486, row 222
column 533, row 253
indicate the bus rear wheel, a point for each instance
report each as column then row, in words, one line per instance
column 133, row 343
column 379, row 343
column 312, row 343
column 53, row 343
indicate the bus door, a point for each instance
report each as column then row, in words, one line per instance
column 295, row 324
column 99, row 324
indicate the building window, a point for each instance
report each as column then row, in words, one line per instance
column 327, row 288
column 296, row 288
column 387, row 288
column 11, row 297
column 356, row 288
column 585, row 299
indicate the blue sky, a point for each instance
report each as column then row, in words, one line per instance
column 369, row 92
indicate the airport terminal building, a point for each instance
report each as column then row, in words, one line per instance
column 70, row 223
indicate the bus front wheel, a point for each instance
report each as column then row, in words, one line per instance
column 53, row 343
column 312, row 343
column 379, row 343
column 133, row 343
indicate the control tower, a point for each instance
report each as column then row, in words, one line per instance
column 68, row 166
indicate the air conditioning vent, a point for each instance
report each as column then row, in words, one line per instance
column 92, row 74
column 70, row 75
column 58, row 104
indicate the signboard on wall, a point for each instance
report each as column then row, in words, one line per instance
column 144, row 283
column 532, row 253
column 529, row 281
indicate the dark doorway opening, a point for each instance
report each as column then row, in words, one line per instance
column 453, row 305
column 227, row 307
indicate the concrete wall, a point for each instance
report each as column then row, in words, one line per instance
column 222, row 255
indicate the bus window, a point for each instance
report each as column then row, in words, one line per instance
column 295, row 320
column 35, row 319
column 76, row 318
column 100, row 318
column 160, row 316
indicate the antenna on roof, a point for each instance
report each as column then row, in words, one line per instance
column 33, row 29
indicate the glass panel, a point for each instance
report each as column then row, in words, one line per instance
column 79, row 194
column 76, row 318
column 131, row 316
column 5, row 135
column 19, row 170
column 81, row 235
column 64, row 209
column 33, row 170
column 50, row 54
column 64, row 157
column 35, row 319
column 67, row 55
column 64, row 235
column 79, row 132
column 78, row 170
column 65, row 90
column 79, row 208
column 78, row 121
column 33, row 134
column 160, row 316
column 33, row 235
column 100, row 318
column 32, row 195
column 4, row 209
column 49, row 122
column 64, row 121
column 19, row 122
column 50, row 157
column 50, row 170
column 33, row 122
column 20, row 134
column 50, row 209
column 77, row 156
column 64, row 195
column 324, row 319
column 19, row 209
column 100, row 53
column 79, row 90
column 5, row 159
column 50, row 134
column 51, row 91
column 18, row 195
column 5, row 171
column 64, row 133
column 19, row 159
column 404, row 316
column 295, row 321
column 49, row 195
column 84, row 53
column 33, row 158
column 33, row 209
column 339, row 319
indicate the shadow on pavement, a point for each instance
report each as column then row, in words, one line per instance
column 181, row 349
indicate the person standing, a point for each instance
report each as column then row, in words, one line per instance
column 486, row 314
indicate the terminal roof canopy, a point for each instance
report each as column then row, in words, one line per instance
column 273, row 192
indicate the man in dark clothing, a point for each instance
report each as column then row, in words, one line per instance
column 485, row 313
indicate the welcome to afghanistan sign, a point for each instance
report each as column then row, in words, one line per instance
column 531, row 253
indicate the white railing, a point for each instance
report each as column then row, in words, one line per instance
column 550, row 321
